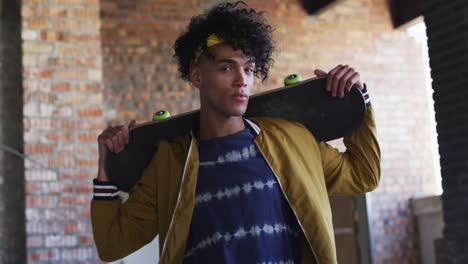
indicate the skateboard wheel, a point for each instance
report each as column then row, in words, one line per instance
column 159, row 115
column 292, row 79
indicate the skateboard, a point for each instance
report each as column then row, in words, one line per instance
column 306, row 102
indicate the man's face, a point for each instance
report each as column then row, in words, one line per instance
column 225, row 81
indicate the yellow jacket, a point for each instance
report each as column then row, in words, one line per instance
column 308, row 171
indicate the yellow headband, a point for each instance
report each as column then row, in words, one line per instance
column 212, row 40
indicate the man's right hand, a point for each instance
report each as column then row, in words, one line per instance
column 113, row 139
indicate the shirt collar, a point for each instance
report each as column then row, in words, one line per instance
column 249, row 124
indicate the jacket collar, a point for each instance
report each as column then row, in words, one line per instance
column 254, row 127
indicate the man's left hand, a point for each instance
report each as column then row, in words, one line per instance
column 340, row 79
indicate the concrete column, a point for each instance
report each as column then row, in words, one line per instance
column 447, row 28
column 12, row 203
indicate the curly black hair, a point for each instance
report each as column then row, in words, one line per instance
column 243, row 28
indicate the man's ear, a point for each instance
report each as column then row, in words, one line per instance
column 194, row 75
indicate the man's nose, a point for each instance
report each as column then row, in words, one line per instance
column 241, row 78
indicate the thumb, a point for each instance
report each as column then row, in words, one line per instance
column 132, row 124
column 320, row 73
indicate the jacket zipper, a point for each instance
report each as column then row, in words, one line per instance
column 178, row 199
column 286, row 197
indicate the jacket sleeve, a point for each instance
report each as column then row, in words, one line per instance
column 121, row 228
column 357, row 170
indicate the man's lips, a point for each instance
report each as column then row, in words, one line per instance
column 240, row 96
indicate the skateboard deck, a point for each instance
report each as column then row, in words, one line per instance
column 307, row 102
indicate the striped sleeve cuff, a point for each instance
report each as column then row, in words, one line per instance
column 365, row 94
column 104, row 190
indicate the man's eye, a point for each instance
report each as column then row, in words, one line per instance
column 225, row 68
column 250, row 70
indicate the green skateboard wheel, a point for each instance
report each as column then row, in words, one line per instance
column 292, row 79
column 159, row 115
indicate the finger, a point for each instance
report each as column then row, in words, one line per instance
column 105, row 139
column 125, row 134
column 359, row 83
column 121, row 140
column 110, row 136
column 337, row 68
column 115, row 143
column 330, row 73
column 101, row 146
column 105, row 135
column 110, row 144
column 113, row 130
column 101, row 138
column 352, row 81
column 132, row 124
column 336, row 78
column 344, row 81
column 320, row 73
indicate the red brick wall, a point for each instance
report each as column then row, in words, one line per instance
column 63, row 114
column 140, row 75
column 64, row 105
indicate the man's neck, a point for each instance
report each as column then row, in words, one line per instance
column 212, row 126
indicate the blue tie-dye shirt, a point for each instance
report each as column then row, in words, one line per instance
column 241, row 214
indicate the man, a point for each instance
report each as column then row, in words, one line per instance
column 235, row 190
